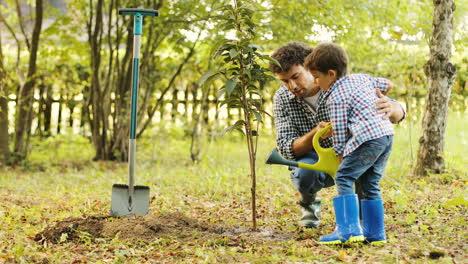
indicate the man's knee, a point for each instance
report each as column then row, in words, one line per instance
column 308, row 181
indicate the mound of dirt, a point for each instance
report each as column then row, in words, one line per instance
column 142, row 228
column 147, row 228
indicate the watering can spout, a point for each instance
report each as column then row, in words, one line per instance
column 327, row 160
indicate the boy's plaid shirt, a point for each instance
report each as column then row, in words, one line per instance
column 294, row 118
column 351, row 104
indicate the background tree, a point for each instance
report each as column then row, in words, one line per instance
column 4, row 137
column 24, row 112
column 441, row 74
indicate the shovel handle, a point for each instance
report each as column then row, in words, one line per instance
column 141, row 11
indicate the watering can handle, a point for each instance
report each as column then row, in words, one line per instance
column 315, row 140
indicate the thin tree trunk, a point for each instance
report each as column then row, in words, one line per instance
column 251, row 148
column 71, row 104
column 98, row 100
column 26, row 93
column 121, row 126
column 40, row 116
column 4, row 137
column 186, row 103
column 441, row 75
column 59, row 116
column 198, row 127
column 174, row 103
column 47, row 110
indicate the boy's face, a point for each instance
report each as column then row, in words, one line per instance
column 299, row 81
column 324, row 79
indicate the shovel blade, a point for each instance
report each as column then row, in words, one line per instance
column 121, row 205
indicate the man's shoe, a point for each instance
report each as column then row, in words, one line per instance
column 310, row 213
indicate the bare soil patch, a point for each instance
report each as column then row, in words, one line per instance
column 148, row 228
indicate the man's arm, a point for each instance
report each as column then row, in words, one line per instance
column 286, row 131
column 303, row 145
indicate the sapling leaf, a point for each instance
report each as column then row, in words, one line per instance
column 233, row 53
column 258, row 116
column 208, row 75
column 230, row 85
column 237, row 126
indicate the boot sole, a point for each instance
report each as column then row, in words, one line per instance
column 378, row 243
column 350, row 239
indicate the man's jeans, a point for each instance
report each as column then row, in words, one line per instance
column 309, row 182
column 366, row 163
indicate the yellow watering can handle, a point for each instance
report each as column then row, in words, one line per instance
column 315, row 139
column 327, row 162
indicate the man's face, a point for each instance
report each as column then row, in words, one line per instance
column 299, row 81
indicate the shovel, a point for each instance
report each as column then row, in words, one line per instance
column 132, row 200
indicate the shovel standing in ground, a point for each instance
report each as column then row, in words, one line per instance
column 132, row 200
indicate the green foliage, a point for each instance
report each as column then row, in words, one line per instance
column 240, row 67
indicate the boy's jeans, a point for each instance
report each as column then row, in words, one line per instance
column 366, row 163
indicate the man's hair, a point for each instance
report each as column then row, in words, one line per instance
column 328, row 56
column 293, row 53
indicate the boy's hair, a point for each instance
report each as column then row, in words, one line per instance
column 328, row 56
column 293, row 53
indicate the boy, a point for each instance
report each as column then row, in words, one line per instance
column 362, row 139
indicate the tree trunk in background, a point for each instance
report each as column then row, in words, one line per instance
column 186, row 104
column 198, row 124
column 120, row 135
column 26, row 92
column 98, row 100
column 71, row 104
column 47, row 110
column 4, row 139
column 174, row 104
column 441, row 74
column 41, row 104
column 59, row 116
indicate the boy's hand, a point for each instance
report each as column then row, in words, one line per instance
column 327, row 134
column 340, row 158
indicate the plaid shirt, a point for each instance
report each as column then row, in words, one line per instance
column 351, row 103
column 295, row 118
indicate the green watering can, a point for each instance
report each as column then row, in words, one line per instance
column 327, row 160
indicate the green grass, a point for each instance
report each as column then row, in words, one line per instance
column 425, row 217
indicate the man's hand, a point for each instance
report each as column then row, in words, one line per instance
column 392, row 110
column 327, row 134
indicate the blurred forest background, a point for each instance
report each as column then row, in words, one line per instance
column 65, row 78
column 69, row 62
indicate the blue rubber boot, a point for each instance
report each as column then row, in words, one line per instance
column 348, row 228
column 373, row 221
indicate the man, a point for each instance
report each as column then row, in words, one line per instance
column 299, row 114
